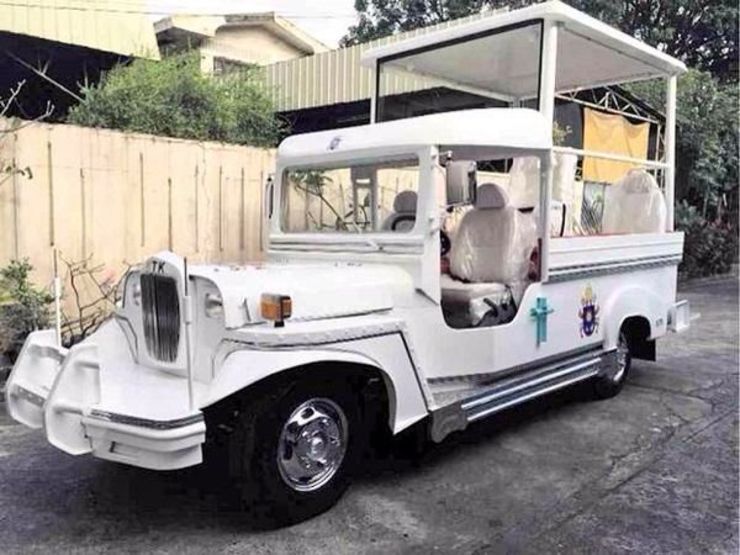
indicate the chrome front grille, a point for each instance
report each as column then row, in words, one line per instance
column 161, row 316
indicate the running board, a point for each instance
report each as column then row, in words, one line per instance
column 518, row 388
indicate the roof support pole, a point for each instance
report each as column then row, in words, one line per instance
column 548, row 66
column 670, row 150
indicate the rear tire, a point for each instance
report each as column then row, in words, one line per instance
column 611, row 383
column 293, row 449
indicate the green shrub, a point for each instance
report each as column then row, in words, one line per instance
column 709, row 248
column 174, row 98
column 23, row 307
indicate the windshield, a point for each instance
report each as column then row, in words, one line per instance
column 358, row 198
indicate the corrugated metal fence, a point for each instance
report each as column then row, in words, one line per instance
column 117, row 197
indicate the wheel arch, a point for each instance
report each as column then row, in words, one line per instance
column 247, row 370
column 638, row 310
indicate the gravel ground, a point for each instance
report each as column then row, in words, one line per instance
column 653, row 470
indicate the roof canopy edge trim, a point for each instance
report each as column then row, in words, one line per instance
column 569, row 18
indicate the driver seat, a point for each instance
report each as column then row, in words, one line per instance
column 403, row 216
column 490, row 252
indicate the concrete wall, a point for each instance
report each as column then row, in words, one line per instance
column 118, row 197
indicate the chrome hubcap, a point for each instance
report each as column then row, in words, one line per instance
column 622, row 355
column 312, row 444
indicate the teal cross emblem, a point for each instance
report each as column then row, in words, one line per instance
column 539, row 313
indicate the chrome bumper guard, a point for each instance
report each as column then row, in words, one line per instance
column 679, row 317
column 60, row 390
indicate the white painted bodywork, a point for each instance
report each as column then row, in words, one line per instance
column 359, row 299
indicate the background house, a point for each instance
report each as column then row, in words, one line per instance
column 229, row 41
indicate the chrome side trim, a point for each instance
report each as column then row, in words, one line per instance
column 532, row 395
column 554, row 361
column 531, row 383
column 145, row 422
column 518, row 388
column 565, row 273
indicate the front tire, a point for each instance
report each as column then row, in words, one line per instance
column 611, row 383
column 294, row 449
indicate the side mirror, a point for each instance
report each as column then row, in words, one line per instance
column 461, row 182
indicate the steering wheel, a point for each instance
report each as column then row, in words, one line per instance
column 403, row 219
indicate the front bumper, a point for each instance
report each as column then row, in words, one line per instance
column 93, row 398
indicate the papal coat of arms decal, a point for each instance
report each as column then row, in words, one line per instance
column 588, row 312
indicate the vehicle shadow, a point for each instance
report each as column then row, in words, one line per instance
column 203, row 497
column 411, row 450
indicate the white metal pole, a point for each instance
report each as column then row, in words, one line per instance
column 548, row 71
column 670, row 150
column 372, row 109
column 547, row 108
column 546, row 180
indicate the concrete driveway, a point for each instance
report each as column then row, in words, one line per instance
column 652, row 470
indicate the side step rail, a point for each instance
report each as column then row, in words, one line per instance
column 519, row 388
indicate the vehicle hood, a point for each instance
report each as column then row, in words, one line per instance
column 318, row 291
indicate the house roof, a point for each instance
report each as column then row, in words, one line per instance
column 96, row 24
column 205, row 26
column 510, row 128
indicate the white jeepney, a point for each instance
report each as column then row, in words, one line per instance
column 428, row 271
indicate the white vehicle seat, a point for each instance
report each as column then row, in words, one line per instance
column 634, row 204
column 490, row 255
column 460, row 292
column 494, row 241
column 404, row 212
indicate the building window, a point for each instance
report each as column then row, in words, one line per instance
column 222, row 66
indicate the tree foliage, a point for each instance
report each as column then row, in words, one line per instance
column 707, row 139
column 172, row 97
column 710, row 247
column 23, row 307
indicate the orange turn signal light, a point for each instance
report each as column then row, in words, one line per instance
column 276, row 308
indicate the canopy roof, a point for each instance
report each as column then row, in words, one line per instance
column 508, row 128
column 501, row 53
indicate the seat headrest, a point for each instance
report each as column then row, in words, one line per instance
column 638, row 181
column 491, row 195
column 405, row 202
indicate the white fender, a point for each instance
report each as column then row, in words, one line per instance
column 246, row 367
column 633, row 301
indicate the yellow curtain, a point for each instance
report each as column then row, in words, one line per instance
column 615, row 135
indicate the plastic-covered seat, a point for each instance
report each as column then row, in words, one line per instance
column 404, row 212
column 490, row 255
column 634, row 204
column 460, row 292
column 494, row 241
